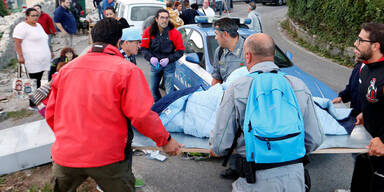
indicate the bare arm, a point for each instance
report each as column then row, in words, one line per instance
column 61, row 28
column 19, row 51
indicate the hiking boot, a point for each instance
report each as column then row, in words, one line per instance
column 229, row 174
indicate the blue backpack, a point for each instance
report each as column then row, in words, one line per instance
column 273, row 126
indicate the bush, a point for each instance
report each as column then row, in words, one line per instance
column 3, row 10
column 335, row 21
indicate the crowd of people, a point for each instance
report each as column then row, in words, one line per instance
column 93, row 101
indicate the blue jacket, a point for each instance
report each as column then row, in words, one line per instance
column 351, row 91
column 67, row 20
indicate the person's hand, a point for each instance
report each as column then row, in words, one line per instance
column 359, row 119
column 21, row 60
column 213, row 154
column 164, row 62
column 154, row 61
column 172, row 147
column 376, row 147
column 336, row 100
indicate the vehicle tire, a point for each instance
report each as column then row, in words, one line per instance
column 285, row 2
column 279, row 2
column 264, row 3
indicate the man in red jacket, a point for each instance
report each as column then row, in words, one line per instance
column 46, row 22
column 93, row 101
column 162, row 46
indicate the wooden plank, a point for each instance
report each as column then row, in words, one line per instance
column 320, row 151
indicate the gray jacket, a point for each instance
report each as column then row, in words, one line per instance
column 231, row 112
column 255, row 22
column 229, row 61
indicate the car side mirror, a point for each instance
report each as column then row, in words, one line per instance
column 289, row 55
column 193, row 58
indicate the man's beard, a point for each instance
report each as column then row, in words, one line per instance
column 364, row 56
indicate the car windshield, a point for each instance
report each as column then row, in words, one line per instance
column 140, row 13
column 280, row 59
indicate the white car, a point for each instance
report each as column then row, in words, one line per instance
column 135, row 12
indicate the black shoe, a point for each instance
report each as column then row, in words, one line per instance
column 229, row 174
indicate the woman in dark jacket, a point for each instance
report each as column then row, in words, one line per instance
column 67, row 54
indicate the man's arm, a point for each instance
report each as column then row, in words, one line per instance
column 215, row 81
column 145, row 43
column 61, row 28
column 216, row 69
column 51, row 26
column 20, row 56
column 136, row 104
column 179, row 46
column 226, row 125
column 50, row 109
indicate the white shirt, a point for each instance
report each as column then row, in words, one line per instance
column 207, row 12
column 34, row 47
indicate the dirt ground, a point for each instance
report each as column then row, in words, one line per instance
column 37, row 179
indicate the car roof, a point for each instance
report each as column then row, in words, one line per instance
column 209, row 31
column 141, row 2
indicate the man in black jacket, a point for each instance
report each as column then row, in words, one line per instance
column 188, row 15
column 369, row 47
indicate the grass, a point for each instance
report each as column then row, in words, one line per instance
column 13, row 63
column 2, row 179
column 19, row 114
column 314, row 49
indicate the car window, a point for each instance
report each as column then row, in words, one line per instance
column 195, row 44
column 140, row 13
column 184, row 34
column 281, row 59
column 211, row 45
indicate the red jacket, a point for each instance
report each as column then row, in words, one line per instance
column 46, row 22
column 91, row 97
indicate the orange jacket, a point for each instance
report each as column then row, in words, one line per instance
column 91, row 97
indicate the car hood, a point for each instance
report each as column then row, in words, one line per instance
column 317, row 88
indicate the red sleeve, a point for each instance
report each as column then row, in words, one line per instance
column 145, row 39
column 51, row 26
column 136, row 103
column 177, row 40
column 50, row 109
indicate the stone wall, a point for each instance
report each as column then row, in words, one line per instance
column 8, row 23
column 346, row 52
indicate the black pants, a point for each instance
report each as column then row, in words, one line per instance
column 38, row 77
column 368, row 174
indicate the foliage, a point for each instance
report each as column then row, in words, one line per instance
column 336, row 21
column 19, row 114
column 3, row 10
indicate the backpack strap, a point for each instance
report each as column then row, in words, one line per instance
column 233, row 146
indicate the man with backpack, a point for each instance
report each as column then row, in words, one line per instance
column 270, row 120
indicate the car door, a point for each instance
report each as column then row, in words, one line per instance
column 190, row 69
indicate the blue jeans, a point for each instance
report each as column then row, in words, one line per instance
column 168, row 73
column 100, row 11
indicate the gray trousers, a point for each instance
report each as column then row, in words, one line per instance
column 67, row 39
column 288, row 178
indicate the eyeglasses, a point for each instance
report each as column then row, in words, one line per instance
column 359, row 40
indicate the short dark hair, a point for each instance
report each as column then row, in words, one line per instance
column 186, row 3
column 37, row 5
column 111, row 8
column 29, row 10
column 194, row 6
column 62, row 1
column 169, row 3
column 107, row 30
column 376, row 33
column 226, row 25
column 252, row 5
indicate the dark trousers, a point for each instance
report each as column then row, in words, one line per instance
column 38, row 77
column 116, row 177
column 368, row 174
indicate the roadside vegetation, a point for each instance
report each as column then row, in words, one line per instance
column 333, row 22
